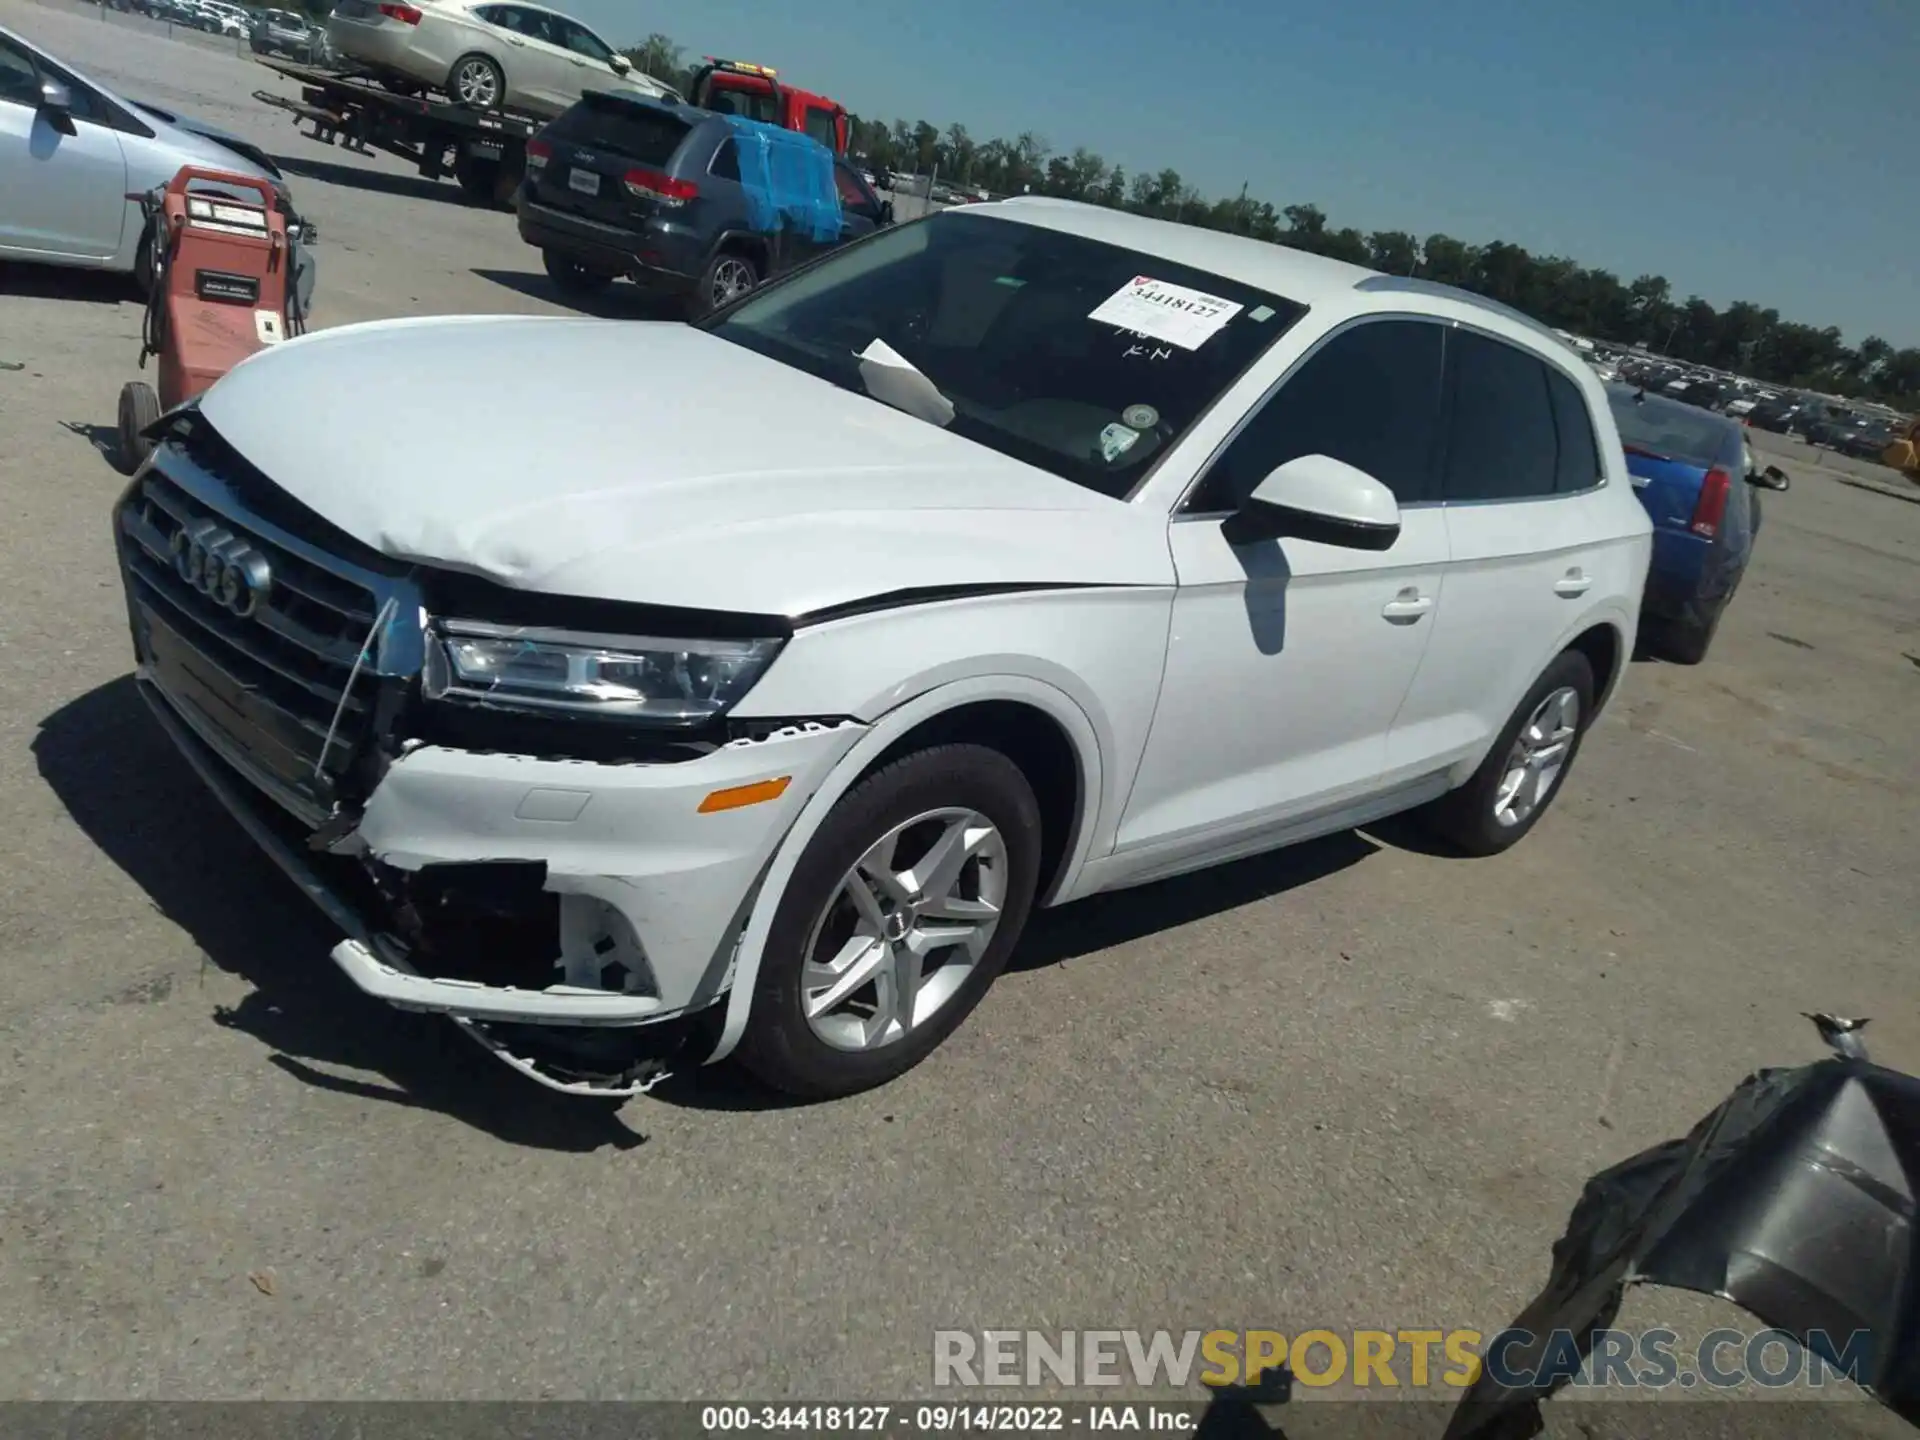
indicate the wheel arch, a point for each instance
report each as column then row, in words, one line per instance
column 744, row 242
column 1606, row 647
column 1032, row 714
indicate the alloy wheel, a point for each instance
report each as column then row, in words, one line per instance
column 904, row 929
column 731, row 279
column 475, row 85
column 1538, row 757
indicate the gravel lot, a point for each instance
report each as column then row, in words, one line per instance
column 1356, row 1084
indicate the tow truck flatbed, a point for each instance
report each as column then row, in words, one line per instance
column 484, row 150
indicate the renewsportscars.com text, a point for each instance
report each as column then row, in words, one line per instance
column 1414, row 1359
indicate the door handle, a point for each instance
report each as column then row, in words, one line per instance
column 1572, row 584
column 1409, row 605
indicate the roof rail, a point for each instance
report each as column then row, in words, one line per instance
column 1409, row 285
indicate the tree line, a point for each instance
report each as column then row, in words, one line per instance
column 1746, row 338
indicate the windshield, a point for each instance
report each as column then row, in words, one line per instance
column 988, row 328
column 1673, row 432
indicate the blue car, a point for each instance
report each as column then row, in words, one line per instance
column 1695, row 476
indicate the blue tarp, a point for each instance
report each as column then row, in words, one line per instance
column 788, row 178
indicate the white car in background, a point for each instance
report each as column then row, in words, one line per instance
column 1067, row 551
column 484, row 56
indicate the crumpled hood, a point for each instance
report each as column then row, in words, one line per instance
column 652, row 463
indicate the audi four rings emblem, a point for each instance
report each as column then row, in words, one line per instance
column 222, row 566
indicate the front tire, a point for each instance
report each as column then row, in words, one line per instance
column 901, row 912
column 1525, row 768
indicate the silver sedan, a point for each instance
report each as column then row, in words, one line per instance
column 485, row 56
column 71, row 152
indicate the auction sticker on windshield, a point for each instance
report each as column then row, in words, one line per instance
column 1161, row 310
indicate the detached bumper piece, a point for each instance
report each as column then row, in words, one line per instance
column 573, row 1039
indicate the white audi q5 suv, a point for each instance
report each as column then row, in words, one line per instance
column 743, row 688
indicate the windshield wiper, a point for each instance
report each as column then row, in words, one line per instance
column 1650, row 454
column 894, row 380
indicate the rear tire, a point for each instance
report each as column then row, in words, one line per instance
column 1505, row 798
column 1686, row 642
column 729, row 275
column 572, row 278
column 799, row 1037
column 477, row 83
column 143, row 271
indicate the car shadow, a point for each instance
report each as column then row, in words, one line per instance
column 1101, row 922
column 619, row 301
column 64, row 282
column 136, row 798
column 1076, row 930
column 378, row 182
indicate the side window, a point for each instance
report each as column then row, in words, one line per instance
column 583, row 41
column 853, row 195
column 19, row 81
column 726, row 162
column 1579, row 467
column 1502, row 443
column 820, row 125
column 1370, row 396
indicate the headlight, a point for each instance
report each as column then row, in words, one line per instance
column 668, row 682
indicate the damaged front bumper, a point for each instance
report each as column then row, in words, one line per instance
column 576, row 919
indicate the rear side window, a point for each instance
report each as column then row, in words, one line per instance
column 726, row 162
column 583, row 41
column 1370, row 396
column 1579, row 467
column 639, row 132
column 1503, row 443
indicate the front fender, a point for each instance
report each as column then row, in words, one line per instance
column 884, row 732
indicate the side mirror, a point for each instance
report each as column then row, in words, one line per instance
column 1772, row 478
column 55, row 98
column 621, row 65
column 1318, row 498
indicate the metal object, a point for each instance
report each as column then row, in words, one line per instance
column 898, row 939
column 1538, row 757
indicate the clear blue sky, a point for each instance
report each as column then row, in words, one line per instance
column 1765, row 150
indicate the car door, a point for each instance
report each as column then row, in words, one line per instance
column 503, row 32
column 548, row 78
column 1531, row 538
column 589, row 57
column 1288, row 660
column 64, row 178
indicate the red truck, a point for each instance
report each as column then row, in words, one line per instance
column 734, row 87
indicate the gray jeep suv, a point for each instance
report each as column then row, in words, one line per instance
column 654, row 192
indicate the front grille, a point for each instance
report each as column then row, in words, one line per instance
column 266, row 687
